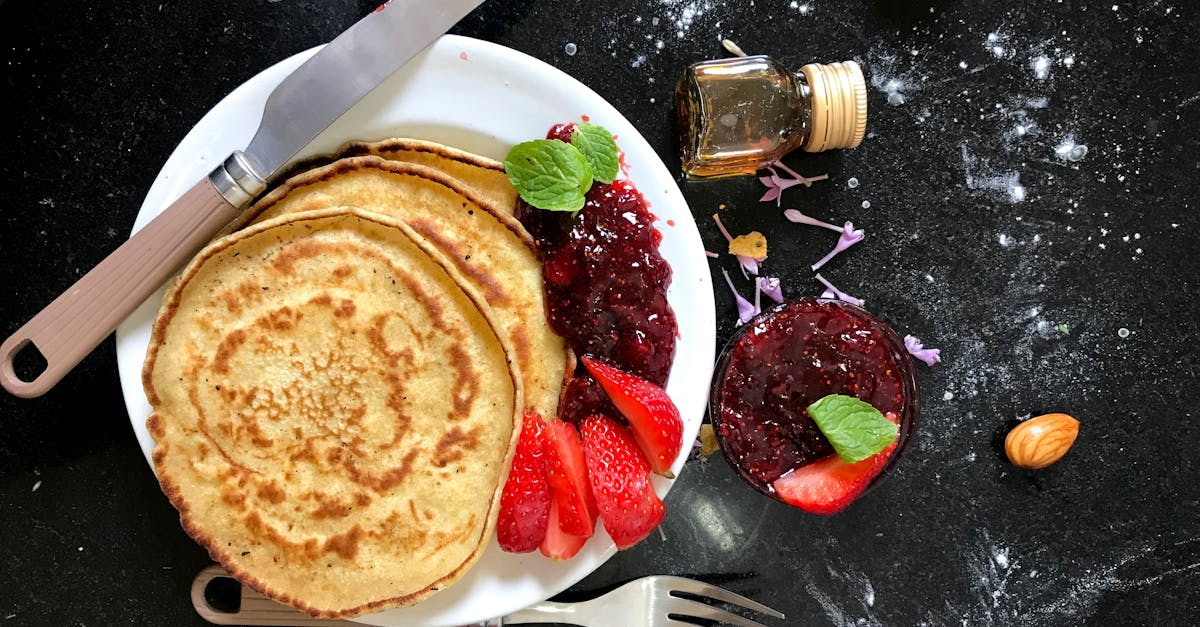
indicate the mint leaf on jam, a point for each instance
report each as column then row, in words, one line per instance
column 549, row 174
column 854, row 428
column 598, row 147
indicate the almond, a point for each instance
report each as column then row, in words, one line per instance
column 1039, row 442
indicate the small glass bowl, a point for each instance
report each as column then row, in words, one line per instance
column 906, row 374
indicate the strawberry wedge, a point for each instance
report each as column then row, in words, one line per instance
column 652, row 416
column 829, row 485
column 567, row 473
column 525, row 501
column 559, row 545
column 620, row 479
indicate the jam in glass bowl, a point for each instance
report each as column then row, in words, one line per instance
column 791, row 355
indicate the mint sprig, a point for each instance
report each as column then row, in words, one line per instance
column 598, row 147
column 555, row 175
column 549, row 174
column 854, row 428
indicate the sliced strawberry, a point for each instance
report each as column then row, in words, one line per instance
column 654, row 419
column 558, row 544
column 525, row 501
column 829, row 485
column 567, row 472
column 620, row 478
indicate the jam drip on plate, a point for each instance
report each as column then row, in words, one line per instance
column 785, row 361
column 606, row 287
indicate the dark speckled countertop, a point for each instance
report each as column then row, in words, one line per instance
column 1049, row 285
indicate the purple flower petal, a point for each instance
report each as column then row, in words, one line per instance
column 775, row 183
column 745, row 307
column 771, row 287
column 930, row 356
column 749, row 265
column 721, row 227
column 796, row 216
column 849, row 237
column 831, row 291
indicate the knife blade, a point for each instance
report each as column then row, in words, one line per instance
column 304, row 104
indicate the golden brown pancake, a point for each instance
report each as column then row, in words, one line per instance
column 333, row 411
column 489, row 247
column 481, row 177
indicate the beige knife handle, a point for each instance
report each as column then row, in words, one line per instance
column 79, row 319
column 253, row 608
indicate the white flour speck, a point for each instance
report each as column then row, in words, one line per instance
column 1005, row 240
column 1068, row 150
column 1041, row 67
column 36, row 485
column 948, row 396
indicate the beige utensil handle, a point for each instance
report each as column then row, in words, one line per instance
column 254, row 608
column 79, row 319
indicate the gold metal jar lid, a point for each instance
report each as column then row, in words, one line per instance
column 839, row 106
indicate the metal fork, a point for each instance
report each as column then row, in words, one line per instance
column 653, row 601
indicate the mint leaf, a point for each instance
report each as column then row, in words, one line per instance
column 598, row 147
column 854, row 428
column 549, row 174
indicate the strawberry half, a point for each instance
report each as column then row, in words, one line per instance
column 652, row 416
column 525, row 501
column 829, row 485
column 620, row 478
column 567, row 472
column 559, row 545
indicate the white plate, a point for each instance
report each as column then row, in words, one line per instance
column 484, row 98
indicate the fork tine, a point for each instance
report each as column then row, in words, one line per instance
column 699, row 588
column 695, row 609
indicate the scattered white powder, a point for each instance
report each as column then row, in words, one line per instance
column 638, row 61
column 1006, row 240
column 980, row 176
column 681, row 13
column 948, row 396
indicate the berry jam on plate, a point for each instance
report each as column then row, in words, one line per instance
column 783, row 360
column 606, row 287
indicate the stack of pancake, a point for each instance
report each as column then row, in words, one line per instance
column 337, row 382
